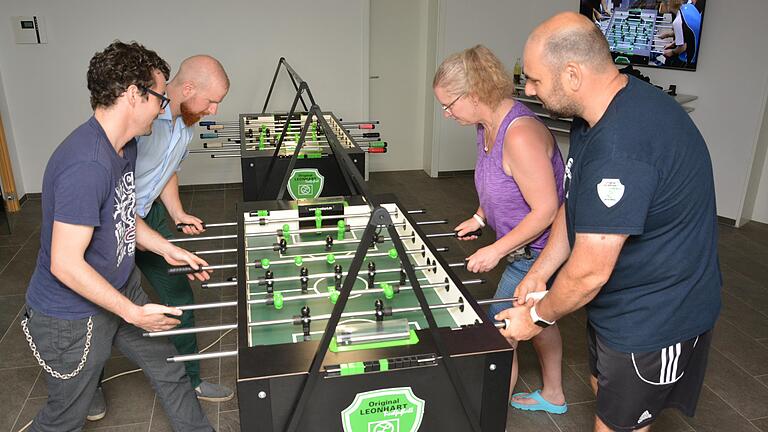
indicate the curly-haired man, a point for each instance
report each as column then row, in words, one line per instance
column 85, row 293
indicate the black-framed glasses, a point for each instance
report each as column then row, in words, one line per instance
column 447, row 108
column 164, row 101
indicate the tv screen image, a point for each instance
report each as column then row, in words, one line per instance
column 659, row 33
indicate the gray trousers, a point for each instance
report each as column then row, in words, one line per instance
column 61, row 342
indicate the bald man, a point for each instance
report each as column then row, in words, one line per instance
column 194, row 92
column 636, row 238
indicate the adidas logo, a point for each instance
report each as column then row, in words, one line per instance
column 644, row 416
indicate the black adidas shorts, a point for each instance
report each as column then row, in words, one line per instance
column 633, row 388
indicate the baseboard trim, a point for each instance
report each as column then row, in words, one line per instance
column 30, row 196
column 209, row 187
column 726, row 221
column 458, row 173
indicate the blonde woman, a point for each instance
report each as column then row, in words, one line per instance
column 519, row 182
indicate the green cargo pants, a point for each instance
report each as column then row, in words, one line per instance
column 173, row 290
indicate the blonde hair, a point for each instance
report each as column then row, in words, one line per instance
column 674, row 5
column 475, row 71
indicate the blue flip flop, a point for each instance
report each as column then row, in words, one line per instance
column 540, row 405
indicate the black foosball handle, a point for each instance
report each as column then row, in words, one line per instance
column 181, row 270
column 180, row 226
column 477, row 233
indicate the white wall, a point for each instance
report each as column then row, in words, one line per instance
column 731, row 84
column 502, row 26
column 326, row 43
column 730, row 80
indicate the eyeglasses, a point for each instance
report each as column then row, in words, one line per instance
column 164, row 101
column 447, row 108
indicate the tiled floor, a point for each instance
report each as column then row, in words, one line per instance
column 735, row 396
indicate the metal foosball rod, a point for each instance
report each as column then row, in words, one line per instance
column 283, row 232
column 233, row 145
column 263, row 219
column 176, row 270
column 315, row 153
column 386, row 288
column 252, row 134
column 282, row 246
column 203, row 356
column 297, row 320
column 263, row 281
column 182, row 270
column 231, row 149
column 286, row 299
column 257, row 120
column 323, row 258
column 363, row 137
column 287, row 150
column 300, row 319
column 258, row 127
column 234, row 138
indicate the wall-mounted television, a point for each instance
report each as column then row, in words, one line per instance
column 656, row 33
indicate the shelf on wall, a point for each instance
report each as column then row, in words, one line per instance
column 563, row 125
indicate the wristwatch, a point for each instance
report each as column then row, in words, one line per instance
column 539, row 321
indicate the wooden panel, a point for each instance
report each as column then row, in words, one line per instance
column 6, row 174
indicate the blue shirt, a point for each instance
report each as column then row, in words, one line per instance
column 159, row 158
column 86, row 183
column 644, row 170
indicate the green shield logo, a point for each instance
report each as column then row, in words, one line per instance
column 305, row 183
column 386, row 410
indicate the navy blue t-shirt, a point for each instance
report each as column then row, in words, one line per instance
column 87, row 183
column 644, row 170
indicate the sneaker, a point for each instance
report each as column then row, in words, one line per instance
column 211, row 392
column 98, row 408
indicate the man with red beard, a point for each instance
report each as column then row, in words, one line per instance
column 194, row 92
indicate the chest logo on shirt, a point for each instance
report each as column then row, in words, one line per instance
column 567, row 177
column 610, row 191
column 125, row 217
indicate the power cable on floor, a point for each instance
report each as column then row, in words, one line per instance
column 138, row 370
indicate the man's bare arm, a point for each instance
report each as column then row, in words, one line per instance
column 68, row 265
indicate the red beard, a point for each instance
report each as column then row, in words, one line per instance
column 188, row 117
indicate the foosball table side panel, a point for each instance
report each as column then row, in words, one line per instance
column 266, row 404
column 254, row 168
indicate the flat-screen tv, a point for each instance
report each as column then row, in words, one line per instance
column 657, row 33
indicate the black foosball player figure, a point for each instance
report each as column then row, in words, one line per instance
column 281, row 246
column 268, row 280
column 371, row 272
column 305, row 322
column 337, row 277
column 328, row 243
column 304, row 275
column 379, row 307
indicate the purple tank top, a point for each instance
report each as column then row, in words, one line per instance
column 500, row 197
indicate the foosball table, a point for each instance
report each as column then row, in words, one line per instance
column 266, row 142
column 382, row 370
column 254, row 138
column 349, row 319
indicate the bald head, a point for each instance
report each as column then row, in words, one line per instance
column 203, row 71
column 569, row 37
